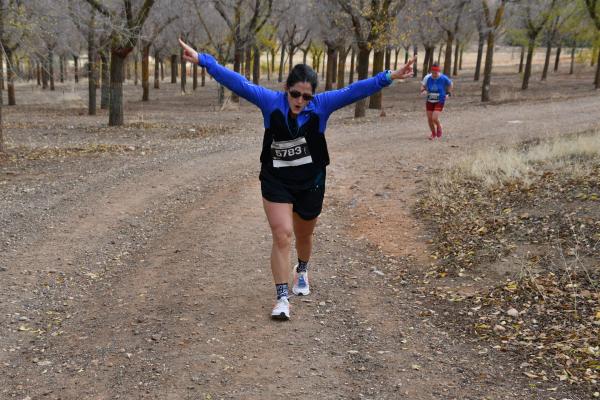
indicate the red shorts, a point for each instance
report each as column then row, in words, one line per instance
column 434, row 106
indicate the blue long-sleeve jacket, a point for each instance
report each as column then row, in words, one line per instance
column 293, row 157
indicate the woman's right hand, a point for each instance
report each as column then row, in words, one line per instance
column 189, row 54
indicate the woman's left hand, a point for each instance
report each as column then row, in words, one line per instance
column 406, row 71
column 189, row 54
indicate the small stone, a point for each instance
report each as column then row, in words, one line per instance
column 513, row 312
column 44, row 363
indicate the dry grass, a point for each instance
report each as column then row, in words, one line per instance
column 535, row 205
column 495, row 167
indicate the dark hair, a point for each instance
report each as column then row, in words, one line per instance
column 302, row 73
column 435, row 64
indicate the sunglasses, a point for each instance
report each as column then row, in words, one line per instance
column 305, row 96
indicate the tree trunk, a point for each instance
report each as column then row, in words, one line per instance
column 406, row 55
column 273, row 54
column 44, row 72
column 194, row 76
column 173, row 68
column 479, row 56
column 146, row 72
column 396, row 52
column 597, row 79
column 38, row 73
column 61, row 69
column 428, row 56
column 256, row 65
column 76, row 68
column 363, row 72
column 334, row 63
column 448, row 54
column 162, row 70
column 352, row 58
column 456, row 53
column 547, row 61
column 248, row 63
column 51, row 68
column 91, row 42
column 487, row 69
column 572, row 67
column 268, row 52
column 183, row 65
column 376, row 100
column 388, row 58
column 291, row 52
column 522, row 60
column 2, row 86
column 135, row 68
column 156, row 70
column 202, row 76
column 440, row 53
column 341, row 71
column 10, row 77
column 105, row 74
column 527, row 73
column 323, row 69
column 415, row 65
column 115, row 116
column 2, row 146
column 330, row 65
column 557, row 59
column 281, row 61
column 238, row 53
column 460, row 60
column 304, row 56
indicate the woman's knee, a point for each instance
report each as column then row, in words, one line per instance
column 282, row 236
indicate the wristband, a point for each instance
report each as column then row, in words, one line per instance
column 388, row 75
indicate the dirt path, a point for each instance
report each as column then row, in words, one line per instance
column 158, row 286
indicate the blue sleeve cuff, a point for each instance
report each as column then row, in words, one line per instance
column 388, row 75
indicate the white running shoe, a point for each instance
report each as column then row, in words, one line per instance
column 301, row 287
column 281, row 310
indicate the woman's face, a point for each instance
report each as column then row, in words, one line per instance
column 299, row 95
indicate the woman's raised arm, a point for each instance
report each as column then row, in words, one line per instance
column 336, row 99
column 257, row 95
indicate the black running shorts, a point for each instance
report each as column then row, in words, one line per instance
column 307, row 203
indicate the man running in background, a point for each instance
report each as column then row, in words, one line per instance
column 437, row 87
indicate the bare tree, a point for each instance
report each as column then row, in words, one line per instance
column 217, row 40
column 449, row 17
column 153, row 28
column 493, row 23
column 593, row 7
column 370, row 23
column 244, row 21
column 536, row 15
column 13, row 32
column 126, row 27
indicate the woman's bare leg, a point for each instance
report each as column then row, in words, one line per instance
column 303, row 231
column 280, row 220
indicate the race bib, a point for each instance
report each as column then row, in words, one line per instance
column 433, row 97
column 290, row 153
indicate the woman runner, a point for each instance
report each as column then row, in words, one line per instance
column 437, row 87
column 294, row 157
